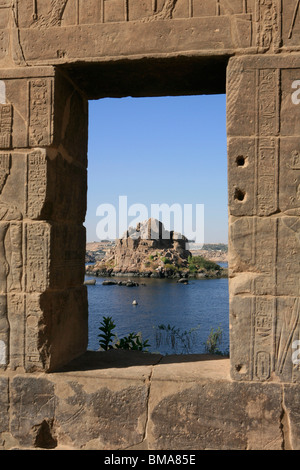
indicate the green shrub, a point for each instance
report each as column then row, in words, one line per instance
column 213, row 342
column 107, row 336
column 133, row 342
column 175, row 338
column 108, row 340
column 198, row 262
column 170, row 267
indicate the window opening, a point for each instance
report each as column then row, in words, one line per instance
column 154, row 151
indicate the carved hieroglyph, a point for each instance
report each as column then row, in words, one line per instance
column 43, row 133
column 233, row 23
column 264, row 223
column 225, row 25
column 40, row 194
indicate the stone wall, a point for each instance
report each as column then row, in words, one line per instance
column 133, row 401
column 54, row 56
column 264, row 225
column 43, row 204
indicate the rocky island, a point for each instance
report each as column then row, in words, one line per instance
column 148, row 250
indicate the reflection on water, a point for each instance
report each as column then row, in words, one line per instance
column 160, row 301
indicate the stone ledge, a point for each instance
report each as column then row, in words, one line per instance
column 121, row 400
column 135, row 364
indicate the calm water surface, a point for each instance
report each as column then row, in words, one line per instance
column 203, row 303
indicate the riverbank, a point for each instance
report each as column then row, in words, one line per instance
column 221, row 273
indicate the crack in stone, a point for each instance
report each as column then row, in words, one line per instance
column 148, row 399
column 285, row 426
column 148, row 382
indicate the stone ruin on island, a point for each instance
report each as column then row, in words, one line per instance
column 146, row 249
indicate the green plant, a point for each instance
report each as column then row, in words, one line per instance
column 107, row 327
column 198, row 262
column 133, row 342
column 170, row 267
column 175, row 337
column 213, row 342
column 108, row 339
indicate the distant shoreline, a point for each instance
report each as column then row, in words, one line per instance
column 205, row 274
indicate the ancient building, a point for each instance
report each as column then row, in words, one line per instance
column 146, row 248
column 55, row 55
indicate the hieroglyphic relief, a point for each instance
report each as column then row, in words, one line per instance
column 36, row 241
column 16, row 317
column 267, row 127
column 58, row 12
column 5, row 6
column 264, row 330
column 275, row 312
column 36, row 183
column 5, row 125
column 288, row 328
column 268, row 83
column 264, row 312
column 4, row 324
column 16, row 259
column 275, row 293
column 288, row 333
column 268, row 24
column 265, row 242
column 267, row 169
column 291, row 23
column 28, row 122
column 291, row 171
column 52, row 16
column 166, row 13
column 5, row 163
column 32, row 331
column 10, row 256
column 39, row 111
column 14, row 270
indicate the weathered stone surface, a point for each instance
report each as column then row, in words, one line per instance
column 4, row 403
column 43, row 204
column 264, row 220
column 205, row 416
column 54, row 56
column 291, row 409
column 32, row 404
column 131, row 400
column 104, row 417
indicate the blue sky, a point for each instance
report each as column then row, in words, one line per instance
column 159, row 150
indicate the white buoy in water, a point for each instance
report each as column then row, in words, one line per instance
column 134, row 302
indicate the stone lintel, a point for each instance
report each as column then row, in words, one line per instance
column 116, row 40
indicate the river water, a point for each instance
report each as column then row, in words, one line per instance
column 200, row 305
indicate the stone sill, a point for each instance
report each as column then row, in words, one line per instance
column 135, row 365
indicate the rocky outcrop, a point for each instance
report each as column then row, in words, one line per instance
column 149, row 250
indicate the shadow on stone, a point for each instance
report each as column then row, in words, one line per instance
column 115, row 358
column 44, row 438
